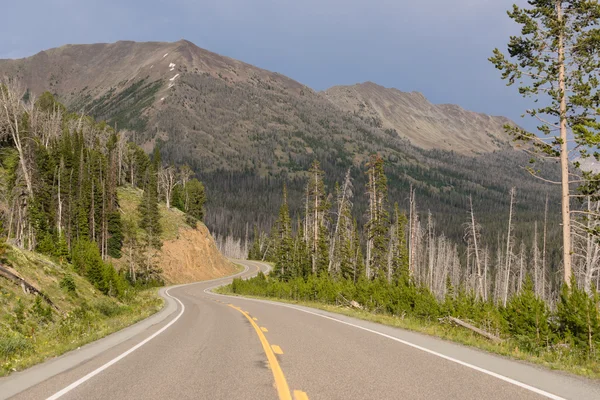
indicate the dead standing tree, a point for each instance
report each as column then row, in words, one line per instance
column 167, row 179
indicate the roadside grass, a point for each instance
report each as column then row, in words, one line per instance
column 559, row 360
column 31, row 331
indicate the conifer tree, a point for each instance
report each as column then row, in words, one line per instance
column 557, row 62
column 302, row 256
column 400, row 256
column 378, row 223
column 195, row 193
column 283, row 252
column 315, row 218
column 148, row 210
column 528, row 315
column 254, row 253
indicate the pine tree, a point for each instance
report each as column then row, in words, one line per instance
column 148, row 210
column 556, row 60
column 302, row 256
column 579, row 317
column 196, row 199
column 315, row 218
column 283, row 252
column 378, row 223
column 528, row 316
column 255, row 253
column 400, row 257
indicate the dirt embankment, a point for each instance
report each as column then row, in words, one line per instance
column 193, row 256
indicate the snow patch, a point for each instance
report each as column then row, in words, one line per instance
column 152, row 66
column 170, row 85
column 172, row 65
column 172, row 69
column 162, row 98
column 166, row 54
column 173, row 78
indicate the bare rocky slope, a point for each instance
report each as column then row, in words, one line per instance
column 187, row 254
column 139, row 85
column 426, row 125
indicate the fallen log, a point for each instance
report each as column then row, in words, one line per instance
column 351, row 303
column 481, row 332
column 12, row 275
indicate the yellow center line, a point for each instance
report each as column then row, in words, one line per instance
column 276, row 349
column 280, row 382
column 262, row 328
column 300, row 395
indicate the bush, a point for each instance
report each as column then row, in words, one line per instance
column 12, row 344
column 108, row 308
column 578, row 318
column 527, row 317
column 88, row 262
column 42, row 312
column 67, row 283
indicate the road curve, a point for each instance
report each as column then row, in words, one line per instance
column 210, row 346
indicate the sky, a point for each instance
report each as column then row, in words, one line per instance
column 436, row 47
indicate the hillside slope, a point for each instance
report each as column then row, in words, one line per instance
column 32, row 330
column 429, row 126
column 187, row 255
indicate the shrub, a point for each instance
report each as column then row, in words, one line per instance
column 527, row 317
column 578, row 317
column 67, row 283
column 12, row 344
column 44, row 313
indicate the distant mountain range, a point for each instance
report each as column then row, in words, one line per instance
column 246, row 130
column 135, row 83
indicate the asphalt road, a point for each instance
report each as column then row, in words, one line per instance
column 206, row 346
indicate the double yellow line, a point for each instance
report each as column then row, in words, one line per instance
column 280, row 382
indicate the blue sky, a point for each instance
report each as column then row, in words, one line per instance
column 437, row 47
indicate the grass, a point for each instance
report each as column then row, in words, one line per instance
column 171, row 220
column 554, row 360
column 31, row 331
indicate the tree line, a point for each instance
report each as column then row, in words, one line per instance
column 60, row 175
column 399, row 262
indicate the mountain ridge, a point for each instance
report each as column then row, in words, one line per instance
column 80, row 74
column 246, row 131
column 425, row 124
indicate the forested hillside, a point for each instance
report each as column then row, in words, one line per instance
column 245, row 132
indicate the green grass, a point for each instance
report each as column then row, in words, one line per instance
column 555, row 360
column 31, row 331
column 170, row 220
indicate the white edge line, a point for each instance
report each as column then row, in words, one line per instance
column 435, row 353
column 137, row 346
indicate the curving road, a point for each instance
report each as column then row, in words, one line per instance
column 207, row 346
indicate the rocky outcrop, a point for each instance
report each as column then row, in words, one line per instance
column 193, row 256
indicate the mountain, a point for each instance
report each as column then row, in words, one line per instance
column 426, row 125
column 246, row 131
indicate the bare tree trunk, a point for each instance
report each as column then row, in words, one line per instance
column 341, row 208
column 477, row 261
column 521, row 267
column 412, row 232
column 372, row 218
column 544, row 250
column 564, row 153
column 536, row 265
column 59, row 219
column 316, row 226
column 508, row 246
